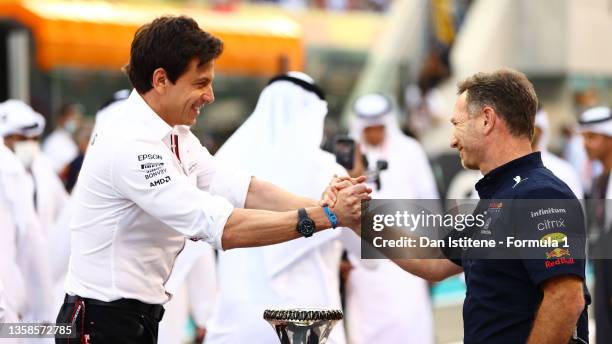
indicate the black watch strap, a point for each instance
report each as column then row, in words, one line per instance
column 302, row 214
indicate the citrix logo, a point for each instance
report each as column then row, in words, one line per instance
column 551, row 224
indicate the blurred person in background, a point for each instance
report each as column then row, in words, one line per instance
column 82, row 138
column 280, row 143
column 23, row 261
column 596, row 127
column 558, row 166
column 60, row 146
column 574, row 151
column 13, row 207
column 83, row 135
column 3, row 310
column 108, row 111
column 386, row 305
column 424, row 103
column 22, row 129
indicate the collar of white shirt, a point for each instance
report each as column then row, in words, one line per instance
column 155, row 125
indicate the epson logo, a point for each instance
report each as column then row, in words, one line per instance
column 142, row 157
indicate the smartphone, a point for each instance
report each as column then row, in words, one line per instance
column 344, row 149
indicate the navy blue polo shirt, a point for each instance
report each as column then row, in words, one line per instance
column 503, row 295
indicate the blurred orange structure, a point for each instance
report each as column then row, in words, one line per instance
column 98, row 34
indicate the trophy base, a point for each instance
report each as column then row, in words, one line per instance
column 303, row 326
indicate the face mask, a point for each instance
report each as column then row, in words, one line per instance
column 26, row 152
column 71, row 126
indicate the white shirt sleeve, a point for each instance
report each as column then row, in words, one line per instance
column 167, row 194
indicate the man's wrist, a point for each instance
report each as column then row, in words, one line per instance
column 317, row 214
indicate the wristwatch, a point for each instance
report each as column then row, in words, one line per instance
column 305, row 225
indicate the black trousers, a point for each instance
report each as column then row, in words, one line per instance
column 121, row 321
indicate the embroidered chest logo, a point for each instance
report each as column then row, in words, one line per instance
column 517, row 180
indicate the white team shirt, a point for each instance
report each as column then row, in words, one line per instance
column 136, row 202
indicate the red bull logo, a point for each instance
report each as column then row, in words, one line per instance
column 560, row 261
column 557, row 253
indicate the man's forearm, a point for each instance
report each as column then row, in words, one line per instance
column 267, row 196
column 250, row 228
column 552, row 324
column 559, row 312
column 434, row 269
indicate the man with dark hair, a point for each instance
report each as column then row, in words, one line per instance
column 509, row 92
column 170, row 43
column 147, row 184
column 511, row 300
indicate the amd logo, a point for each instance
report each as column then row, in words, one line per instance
column 161, row 181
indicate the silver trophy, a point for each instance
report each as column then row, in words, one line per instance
column 302, row 325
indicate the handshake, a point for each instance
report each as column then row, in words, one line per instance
column 343, row 196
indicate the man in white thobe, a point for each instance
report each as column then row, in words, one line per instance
column 386, row 305
column 22, row 128
column 24, row 267
column 60, row 146
column 280, row 142
column 561, row 168
column 596, row 128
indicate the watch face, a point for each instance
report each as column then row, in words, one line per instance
column 306, row 227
